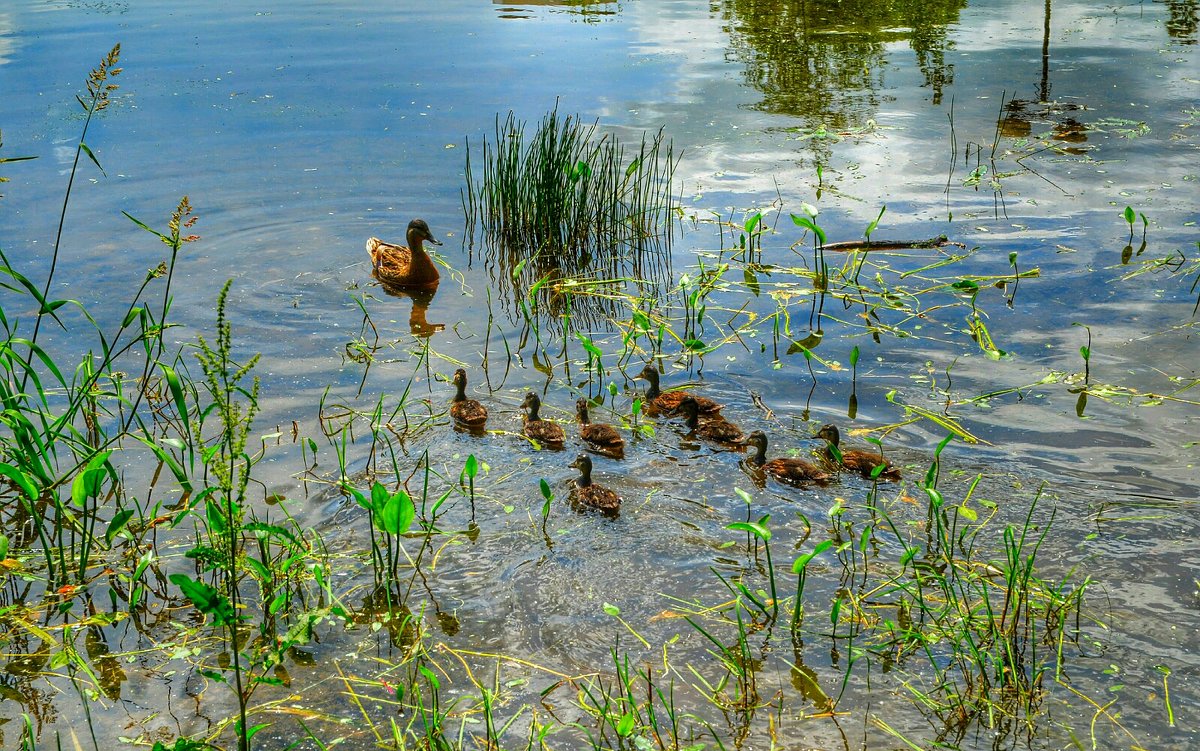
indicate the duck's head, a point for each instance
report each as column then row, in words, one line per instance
column 531, row 403
column 648, row 374
column 583, row 463
column 757, row 439
column 460, row 378
column 829, row 432
column 418, row 231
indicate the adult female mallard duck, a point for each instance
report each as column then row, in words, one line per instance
column 538, row 429
column 787, row 470
column 862, row 462
column 587, row 493
column 718, row 430
column 599, row 437
column 401, row 267
column 667, row 402
column 466, row 411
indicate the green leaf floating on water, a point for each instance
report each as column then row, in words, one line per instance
column 949, row 423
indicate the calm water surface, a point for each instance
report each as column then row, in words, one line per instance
column 300, row 129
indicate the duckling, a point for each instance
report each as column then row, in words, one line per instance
column 599, row 437
column 466, row 411
column 862, row 462
column 668, row 402
column 538, row 429
column 788, row 471
column 718, row 430
column 401, row 267
column 588, row 493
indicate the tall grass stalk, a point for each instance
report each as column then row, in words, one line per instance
column 99, row 86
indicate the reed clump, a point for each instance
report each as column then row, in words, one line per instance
column 563, row 200
column 567, row 188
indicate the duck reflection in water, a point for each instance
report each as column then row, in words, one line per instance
column 421, row 299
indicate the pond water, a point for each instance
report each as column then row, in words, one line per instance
column 1022, row 133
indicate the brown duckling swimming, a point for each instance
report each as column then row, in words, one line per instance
column 538, row 429
column 787, row 470
column 668, row 402
column 466, row 411
column 405, row 267
column 718, row 430
column 862, row 462
column 588, row 493
column 600, row 437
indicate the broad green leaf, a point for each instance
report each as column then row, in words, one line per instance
column 809, row 224
column 206, row 599
column 119, row 520
column 358, row 497
column 587, row 343
column 754, row 528
column 88, row 483
column 802, row 562
column 397, row 513
column 434, row 683
column 625, row 725
column 176, row 388
column 18, row 477
column 379, row 497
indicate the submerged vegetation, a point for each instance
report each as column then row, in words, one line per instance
column 139, row 544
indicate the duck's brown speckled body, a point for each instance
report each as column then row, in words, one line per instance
column 786, row 470
column 600, row 437
column 401, row 267
column 587, row 493
column 667, row 402
column 718, row 430
column 466, row 411
column 542, row 431
column 862, row 462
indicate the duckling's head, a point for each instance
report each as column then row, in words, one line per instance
column 460, row 378
column 419, row 230
column 648, row 374
column 581, row 409
column 531, row 403
column 757, row 439
column 583, row 463
column 830, row 433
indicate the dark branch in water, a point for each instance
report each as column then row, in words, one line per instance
column 933, row 242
